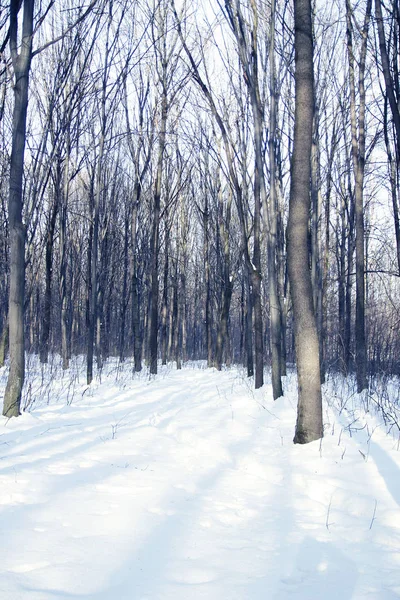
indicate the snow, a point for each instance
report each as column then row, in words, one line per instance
column 188, row 486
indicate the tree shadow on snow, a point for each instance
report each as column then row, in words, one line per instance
column 321, row 570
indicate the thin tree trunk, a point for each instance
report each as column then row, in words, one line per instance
column 94, row 272
column 164, row 307
column 222, row 345
column 358, row 154
column 324, row 324
column 316, row 272
column 208, row 310
column 137, row 337
column 176, row 309
column 124, row 300
column 46, row 323
column 274, row 301
column 94, row 295
column 248, row 317
column 341, row 260
column 348, row 297
column 155, row 241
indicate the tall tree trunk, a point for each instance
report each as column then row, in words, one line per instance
column 249, row 61
column 176, row 319
column 222, row 334
column 274, row 300
column 358, row 154
column 324, row 324
column 124, row 299
column 283, row 291
column 94, row 272
column 208, row 308
column 341, row 253
column 248, row 318
column 98, row 175
column 65, row 344
column 164, row 307
column 222, row 345
column 137, row 336
column 309, row 413
column 21, row 64
column 155, row 237
column 316, row 272
column 182, row 311
column 46, row 322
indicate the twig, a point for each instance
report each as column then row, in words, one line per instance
column 373, row 516
column 327, row 515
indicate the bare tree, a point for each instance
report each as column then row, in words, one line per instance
column 21, row 61
column 358, row 155
column 309, row 413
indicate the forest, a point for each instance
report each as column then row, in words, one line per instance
column 204, row 180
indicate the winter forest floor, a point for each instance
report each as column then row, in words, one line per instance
column 187, row 486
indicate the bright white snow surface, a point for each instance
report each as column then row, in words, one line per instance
column 187, row 486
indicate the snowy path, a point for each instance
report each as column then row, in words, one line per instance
column 186, row 488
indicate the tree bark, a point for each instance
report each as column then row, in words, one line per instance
column 21, row 64
column 309, row 413
column 274, row 300
column 46, row 323
column 4, row 342
column 124, row 299
column 155, row 236
column 164, row 308
column 358, row 154
column 137, row 335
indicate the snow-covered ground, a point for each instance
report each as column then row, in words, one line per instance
column 187, row 486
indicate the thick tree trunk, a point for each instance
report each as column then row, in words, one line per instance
column 309, row 414
column 21, row 65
